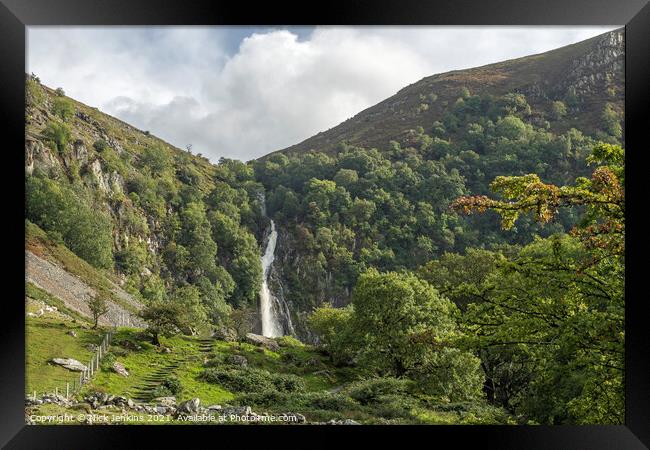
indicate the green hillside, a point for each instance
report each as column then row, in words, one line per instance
column 585, row 77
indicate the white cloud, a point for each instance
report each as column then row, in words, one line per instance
column 187, row 85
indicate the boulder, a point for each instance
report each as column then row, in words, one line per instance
column 70, row 364
column 237, row 410
column 189, row 406
column 238, row 360
column 165, row 401
column 213, row 408
column 119, row 400
column 225, row 334
column 262, row 341
column 72, row 333
column 120, row 369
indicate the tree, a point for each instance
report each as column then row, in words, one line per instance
column 242, row 320
column 156, row 158
column 55, row 206
column 558, row 110
column 182, row 313
column 98, row 307
column 560, row 304
column 335, row 332
column 163, row 319
column 408, row 329
column 611, row 121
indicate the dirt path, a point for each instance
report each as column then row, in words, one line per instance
column 74, row 292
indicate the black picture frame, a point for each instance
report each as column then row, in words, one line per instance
column 15, row 15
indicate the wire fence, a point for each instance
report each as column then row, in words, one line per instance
column 85, row 376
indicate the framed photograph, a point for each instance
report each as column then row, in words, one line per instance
column 386, row 218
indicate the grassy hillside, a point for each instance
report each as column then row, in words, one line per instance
column 323, row 391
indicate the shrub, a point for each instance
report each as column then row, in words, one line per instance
column 329, row 401
column 160, row 391
column 173, row 384
column 240, row 380
column 58, row 134
column 100, row 145
column 371, row 390
column 253, row 380
column 63, row 108
column 59, row 92
column 289, row 341
column 108, row 361
column 288, row 383
column 393, row 406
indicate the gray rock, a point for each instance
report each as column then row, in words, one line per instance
column 189, row 406
column 237, row 410
column 72, row 333
column 120, row 401
column 225, row 334
column 262, row 341
column 214, row 408
column 160, row 409
column 238, row 360
column 165, row 401
column 70, row 364
column 120, row 369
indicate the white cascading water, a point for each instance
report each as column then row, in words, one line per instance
column 270, row 324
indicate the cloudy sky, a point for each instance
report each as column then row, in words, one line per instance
column 242, row 92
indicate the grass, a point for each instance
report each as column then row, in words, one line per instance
column 149, row 365
column 48, row 338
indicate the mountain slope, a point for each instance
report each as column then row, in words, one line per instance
column 588, row 75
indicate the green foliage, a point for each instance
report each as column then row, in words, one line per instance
column 98, row 307
column 554, row 314
column 156, row 159
column 333, row 327
column 56, row 207
column 511, row 127
column 558, row 110
column 34, row 94
column 253, row 380
column 611, row 121
column 289, row 341
column 408, row 329
column 373, row 389
column 108, row 360
column 100, row 145
column 181, row 313
column 63, row 108
column 58, row 134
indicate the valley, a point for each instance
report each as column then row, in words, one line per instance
column 436, row 259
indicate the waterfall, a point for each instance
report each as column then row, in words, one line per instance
column 271, row 326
